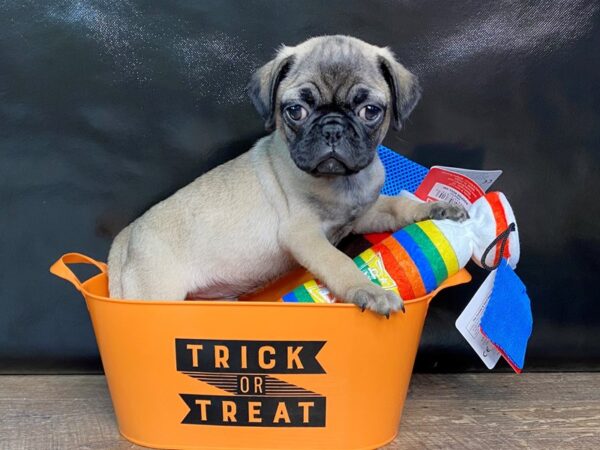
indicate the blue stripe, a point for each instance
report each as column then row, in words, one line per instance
column 290, row 297
column 419, row 258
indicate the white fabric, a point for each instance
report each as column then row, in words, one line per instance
column 471, row 238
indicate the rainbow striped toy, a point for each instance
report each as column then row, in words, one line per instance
column 415, row 260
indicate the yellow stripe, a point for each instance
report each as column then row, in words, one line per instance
column 313, row 289
column 366, row 255
column 369, row 257
column 443, row 246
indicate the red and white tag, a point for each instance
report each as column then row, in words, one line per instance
column 469, row 320
column 484, row 178
column 455, row 185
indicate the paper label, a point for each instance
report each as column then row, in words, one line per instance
column 374, row 268
column 369, row 263
column 457, row 186
column 484, row 178
column 441, row 184
column 319, row 292
column 469, row 320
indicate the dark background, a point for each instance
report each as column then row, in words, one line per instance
column 107, row 107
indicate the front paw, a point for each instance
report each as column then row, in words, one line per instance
column 371, row 296
column 443, row 210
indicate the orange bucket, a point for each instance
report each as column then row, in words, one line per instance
column 252, row 375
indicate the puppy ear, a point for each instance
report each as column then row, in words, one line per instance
column 263, row 85
column 404, row 87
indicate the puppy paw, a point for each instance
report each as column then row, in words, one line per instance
column 371, row 296
column 443, row 210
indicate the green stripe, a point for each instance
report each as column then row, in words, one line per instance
column 430, row 251
column 364, row 268
column 360, row 262
column 303, row 296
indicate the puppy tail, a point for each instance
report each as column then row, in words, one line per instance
column 116, row 260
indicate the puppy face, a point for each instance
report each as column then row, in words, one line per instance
column 332, row 99
column 332, row 128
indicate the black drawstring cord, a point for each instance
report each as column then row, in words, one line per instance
column 502, row 236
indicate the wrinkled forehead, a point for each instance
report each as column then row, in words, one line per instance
column 334, row 78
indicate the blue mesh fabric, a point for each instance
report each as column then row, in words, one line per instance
column 400, row 173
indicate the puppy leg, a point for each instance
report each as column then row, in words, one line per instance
column 393, row 213
column 311, row 249
column 151, row 271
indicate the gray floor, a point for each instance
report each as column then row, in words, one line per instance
column 464, row 411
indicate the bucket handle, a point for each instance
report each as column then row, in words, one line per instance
column 61, row 267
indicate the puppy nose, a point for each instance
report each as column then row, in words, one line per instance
column 332, row 132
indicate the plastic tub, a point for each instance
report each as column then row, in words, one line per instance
column 252, row 375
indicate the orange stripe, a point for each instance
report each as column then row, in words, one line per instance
column 395, row 271
column 408, row 266
column 500, row 217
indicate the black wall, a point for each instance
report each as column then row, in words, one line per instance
column 106, row 107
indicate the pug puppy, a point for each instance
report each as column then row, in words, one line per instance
column 289, row 200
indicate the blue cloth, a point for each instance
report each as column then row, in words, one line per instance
column 507, row 320
column 400, row 173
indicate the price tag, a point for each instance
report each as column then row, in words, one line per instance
column 458, row 186
column 468, row 323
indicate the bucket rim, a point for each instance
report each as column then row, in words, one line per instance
column 61, row 270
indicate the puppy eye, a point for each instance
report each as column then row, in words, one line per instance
column 296, row 112
column 370, row 112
